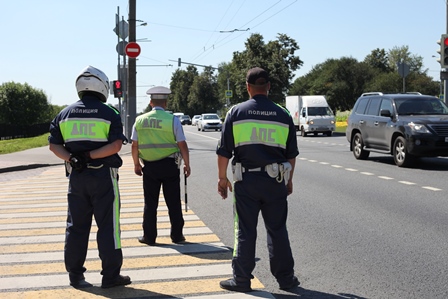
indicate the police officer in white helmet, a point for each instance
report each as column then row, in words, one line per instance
column 88, row 135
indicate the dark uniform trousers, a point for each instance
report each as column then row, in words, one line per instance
column 163, row 173
column 259, row 192
column 93, row 192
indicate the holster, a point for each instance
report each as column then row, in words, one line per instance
column 178, row 159
column 285, row 171
column 237, row 171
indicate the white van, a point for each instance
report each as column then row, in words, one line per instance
column 311, row 114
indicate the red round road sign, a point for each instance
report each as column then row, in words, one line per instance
column 132, row 50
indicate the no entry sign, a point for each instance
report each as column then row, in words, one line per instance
column 132, row 50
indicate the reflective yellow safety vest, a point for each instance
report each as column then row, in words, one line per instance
column 254, row 132
column 155, row 133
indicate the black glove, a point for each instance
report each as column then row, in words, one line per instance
column 78, row 161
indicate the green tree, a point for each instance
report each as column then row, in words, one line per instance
column 402, row 54
column 204, row 93
column 23, row 104
column 379, row 60
column 276, row 57
column 340, row 80
column 181, row 82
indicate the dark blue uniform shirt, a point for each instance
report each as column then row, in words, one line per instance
column 259, row 108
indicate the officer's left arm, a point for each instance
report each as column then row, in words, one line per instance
column 106, row 150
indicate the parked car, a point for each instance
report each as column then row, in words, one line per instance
column 406, row 126
column 194, row 120
column 209, row 121
column 185, row 119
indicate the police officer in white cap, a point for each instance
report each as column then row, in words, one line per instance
column 158, row 146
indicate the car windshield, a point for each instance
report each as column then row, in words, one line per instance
column 211, row 116
column 420, row 106
column 319, row 111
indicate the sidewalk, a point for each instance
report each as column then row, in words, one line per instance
column 32, row 213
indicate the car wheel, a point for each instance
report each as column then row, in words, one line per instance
column 358, row 148
column 202, row 130
column 199, row 128
column 302, row 132
column 401, row 156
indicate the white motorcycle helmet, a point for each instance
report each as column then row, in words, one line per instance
column 93, row 80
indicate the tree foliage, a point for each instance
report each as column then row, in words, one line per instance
column 194, row 93
column 23, row 104
column 343, row 80
column 277, row 57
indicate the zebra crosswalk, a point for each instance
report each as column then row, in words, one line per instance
column 32, row 232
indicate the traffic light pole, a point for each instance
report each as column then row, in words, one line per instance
column 445, row 82
column 132, row 73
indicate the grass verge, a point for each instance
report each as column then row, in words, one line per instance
column 21, row 144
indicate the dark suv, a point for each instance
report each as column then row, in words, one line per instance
column 405, row 126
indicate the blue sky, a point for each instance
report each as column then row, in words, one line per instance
column 46, row 43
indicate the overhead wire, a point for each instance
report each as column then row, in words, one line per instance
column 217, row 25
column 218, row 44
column 218, row 41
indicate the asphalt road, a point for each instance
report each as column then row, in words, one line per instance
column 358, row 229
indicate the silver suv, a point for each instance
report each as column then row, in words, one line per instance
column 406, row 126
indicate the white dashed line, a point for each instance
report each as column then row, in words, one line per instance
column 431, row 188
column 370, row 174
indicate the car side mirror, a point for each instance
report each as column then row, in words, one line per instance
column 385, row 113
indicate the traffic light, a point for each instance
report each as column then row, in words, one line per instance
column 443, row 50
column 118, row 89
column 179, row 62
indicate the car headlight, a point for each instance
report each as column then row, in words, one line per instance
column 311, row 122
column 332, row 122
column 418, row 128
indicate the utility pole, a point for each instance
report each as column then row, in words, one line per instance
column 132, row 72
column 445, row 82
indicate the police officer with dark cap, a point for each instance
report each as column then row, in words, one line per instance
column 88, row 135
column 261, row 138
column 159, row 143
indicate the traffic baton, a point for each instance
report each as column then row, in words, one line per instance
column 186, row 197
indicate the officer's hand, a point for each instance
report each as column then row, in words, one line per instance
column 78, row 161
column 289, row 187
column 138, row 170
column 187, row 170
column 223, row 185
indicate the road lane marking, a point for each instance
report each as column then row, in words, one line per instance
column 371, row 174
column 431, row 188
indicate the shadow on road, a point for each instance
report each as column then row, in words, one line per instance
column 123, row 292
column 312, row 294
